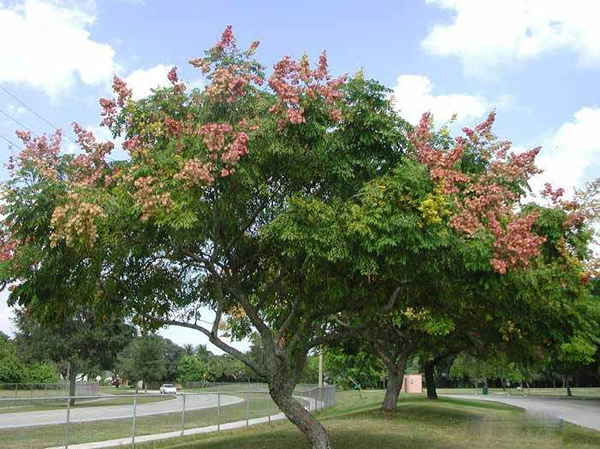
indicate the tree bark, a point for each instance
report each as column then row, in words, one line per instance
column 313, row 430
column 430, row 380
column 72, row 374
column 394, row 384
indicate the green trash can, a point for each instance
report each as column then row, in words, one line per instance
column 485, row 391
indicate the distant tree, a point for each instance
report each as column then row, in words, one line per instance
column 188, row 349
column 148, row 358
column 39, row 373
column 11, row 368
column 193, row 369
column 83, row 341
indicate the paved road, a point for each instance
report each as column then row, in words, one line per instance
column 48, row 417
column 584, row 413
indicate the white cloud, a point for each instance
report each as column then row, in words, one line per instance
column 488, row 34
column 6, row 315
column 142, row 81
column 571, row 155
column 47, row 45
column 15, row 110
column 413, row 96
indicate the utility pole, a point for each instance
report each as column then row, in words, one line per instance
column 321, row 368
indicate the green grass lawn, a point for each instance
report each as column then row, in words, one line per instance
column 357, row 423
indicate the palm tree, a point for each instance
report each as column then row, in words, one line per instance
column 188, row 349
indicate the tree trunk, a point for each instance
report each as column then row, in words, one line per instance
column 72, row 374
column 313, row 430
column 394, row 384
column 430, row 380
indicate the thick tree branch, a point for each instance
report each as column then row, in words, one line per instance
column 214, row 339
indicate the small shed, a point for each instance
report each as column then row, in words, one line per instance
column 412, row 383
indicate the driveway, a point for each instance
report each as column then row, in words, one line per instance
column 49, row 417
column 582, row 412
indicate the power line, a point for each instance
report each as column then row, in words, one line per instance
column 17, row 122
column 33, row 111
column 11, row 144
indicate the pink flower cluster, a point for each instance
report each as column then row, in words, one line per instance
column 294, row 82
column 40, row 152
column 75, row 221
column 228, row 83
column 122, row 91
column 109, row 112
column 439, row 162
column 216, row 137
column 227, row 39
column 195, row 173
column 549, row 192
column 225, row 148
column 515, row 245
column 149, row 198
column 484, row 201
column 90, row 166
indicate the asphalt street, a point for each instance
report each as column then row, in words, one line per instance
column 582, row 412
column 101, row 413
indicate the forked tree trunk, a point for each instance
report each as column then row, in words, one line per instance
column 430, row 380
column 313, row 430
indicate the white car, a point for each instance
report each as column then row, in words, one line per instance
column 168, row 389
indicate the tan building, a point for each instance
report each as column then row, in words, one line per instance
column 412, row 383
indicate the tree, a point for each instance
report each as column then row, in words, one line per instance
column 349, row 367
column 487, row 244
column 195, row 217
column 144, row 359
column 11, row 368
column 188, row 349
column 83, row 341
column 193, row 369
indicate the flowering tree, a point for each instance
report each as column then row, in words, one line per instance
column 457, row 262
column 189, row 227
column 286, row 205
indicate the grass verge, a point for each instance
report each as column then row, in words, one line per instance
column 356, row 422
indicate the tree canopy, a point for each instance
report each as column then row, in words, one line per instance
column 296, row 205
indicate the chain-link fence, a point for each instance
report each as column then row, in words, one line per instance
column 39, row 391
column 53, row 422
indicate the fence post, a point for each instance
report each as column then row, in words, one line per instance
column 31, row 396
column 16, row 392
column 269, row 406
column 67, row 423
column 218, row 411
column 183, row 416
column 247, row 408
column 133, row 421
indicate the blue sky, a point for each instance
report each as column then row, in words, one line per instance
column 535, row 61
